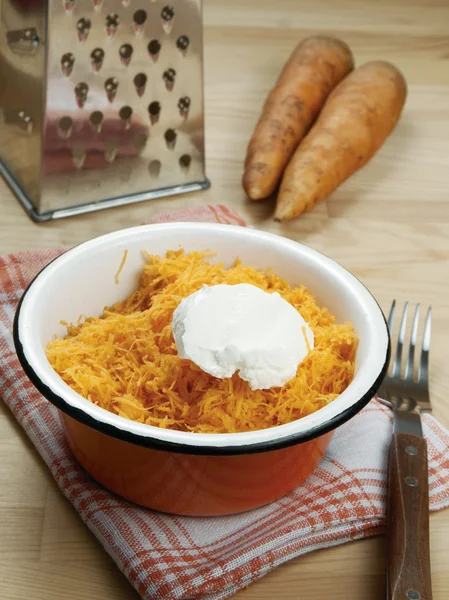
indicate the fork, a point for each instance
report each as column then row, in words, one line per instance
column 408, row 566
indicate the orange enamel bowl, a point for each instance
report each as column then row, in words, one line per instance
column 181, row 472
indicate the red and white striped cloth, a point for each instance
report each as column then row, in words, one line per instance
column 174, row 558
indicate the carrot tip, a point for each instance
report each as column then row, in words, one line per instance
column 255, row 193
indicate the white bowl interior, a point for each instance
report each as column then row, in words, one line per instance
column 82, row 282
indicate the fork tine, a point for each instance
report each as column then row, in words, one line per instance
column 391, row 316
column 409, row 394
column 411, row 352
column 423, row 372
column 400, row 345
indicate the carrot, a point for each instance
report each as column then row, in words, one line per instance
column 357, row 118
column 315, row 67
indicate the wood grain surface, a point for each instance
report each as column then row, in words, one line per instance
column 389, row 224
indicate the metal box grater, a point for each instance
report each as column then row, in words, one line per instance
column 101, row 102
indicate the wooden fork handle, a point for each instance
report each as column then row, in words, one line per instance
column 408, row 568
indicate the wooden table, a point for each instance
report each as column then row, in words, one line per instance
column 389, row 224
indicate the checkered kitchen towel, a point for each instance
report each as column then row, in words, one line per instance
column 166, row 557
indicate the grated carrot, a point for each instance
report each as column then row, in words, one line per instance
column 126, row 360
column 304, row 333
column 122, row 264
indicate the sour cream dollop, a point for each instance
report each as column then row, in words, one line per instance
column 229, row 328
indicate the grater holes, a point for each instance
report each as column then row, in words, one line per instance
column 96, row 59
column 139, row 19
column 169, row 77
column 154, row 168
column 170, row 138
column 167, row 16
column 69, row 5
column 154, row 110
column 112, row 23
column 140, row 141
column 83, row 26
column 182, row 44
column 96, row 121
column 154, row 47
column 185, row 161
column 78, row 155
column 125, row 114
column 126, row 52
column 140, row 16
column 110, row 150
column 67, row 62
column 65, row 126
column 140, row 82
column 111, row 85
column 26, row 120
column 81, row 91
column 31, row 36
column 184, row 106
